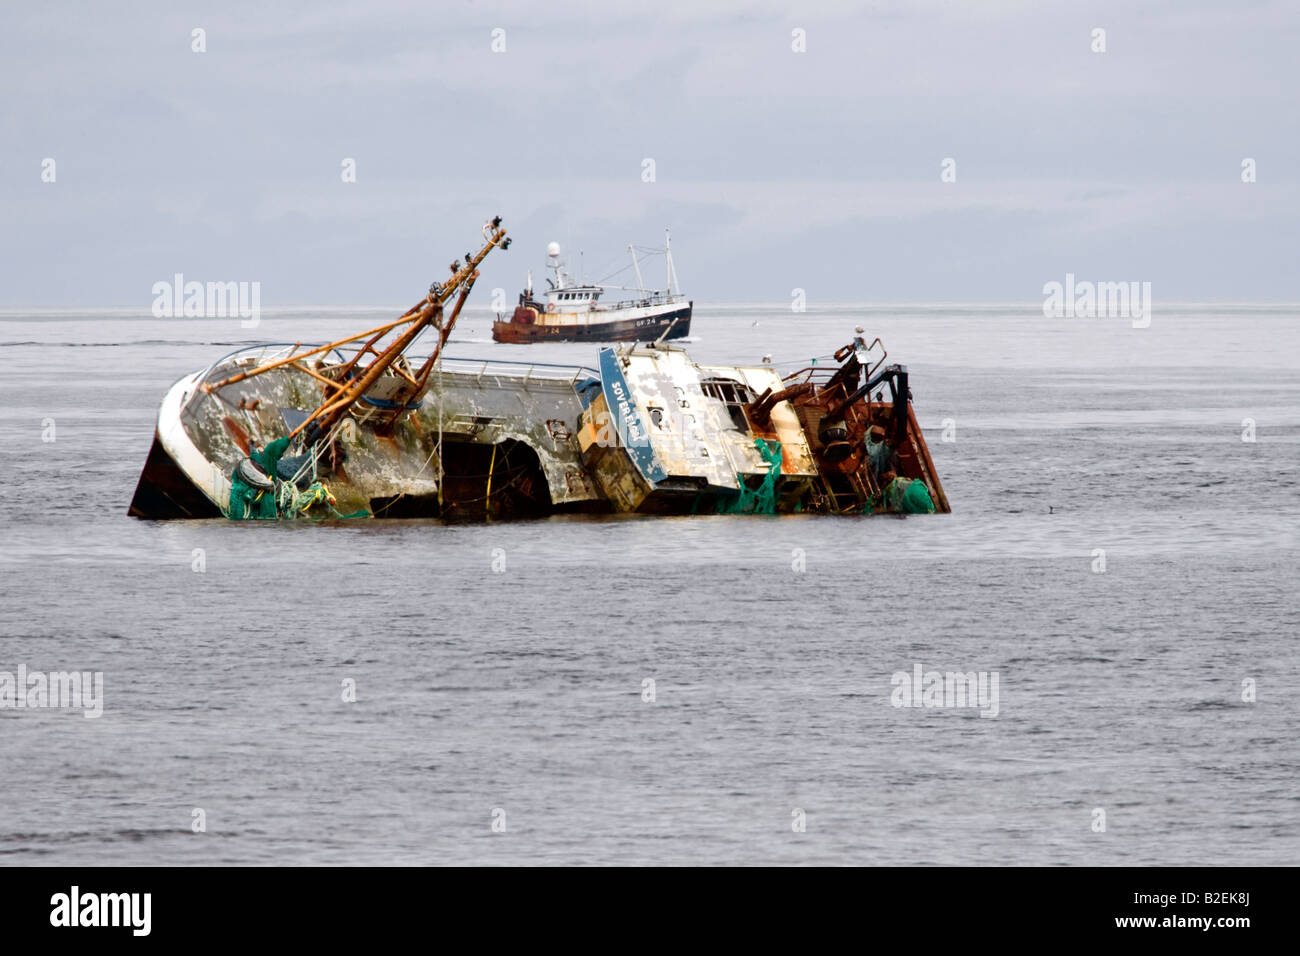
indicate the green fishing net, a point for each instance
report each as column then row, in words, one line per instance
column 248, row 502
column 908, row 496
column 760, row 500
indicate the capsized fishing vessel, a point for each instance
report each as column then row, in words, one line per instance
column 572, row 311
column 364, row 427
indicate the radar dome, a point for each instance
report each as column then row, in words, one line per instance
column 552, row 248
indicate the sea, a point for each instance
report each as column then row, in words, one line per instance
column 1117, row 579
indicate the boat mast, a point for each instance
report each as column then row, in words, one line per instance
column 351, row 380
column 668, row 260
column 640, row 283
column 557, row 265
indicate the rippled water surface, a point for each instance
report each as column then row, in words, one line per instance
column 522, row 691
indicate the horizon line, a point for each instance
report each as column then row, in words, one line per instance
column 779, row 305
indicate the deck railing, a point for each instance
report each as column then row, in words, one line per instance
column 495, row 369
column 526, row 372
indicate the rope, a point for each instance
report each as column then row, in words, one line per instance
column 517, row 473
column 648, row 253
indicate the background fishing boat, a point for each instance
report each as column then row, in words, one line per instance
column 573, row 311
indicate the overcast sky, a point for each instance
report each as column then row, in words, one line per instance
column 775, row 169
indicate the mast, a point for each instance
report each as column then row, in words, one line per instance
column 556, row 264
column 640, row 283
column 351, row 380
column 668, row 263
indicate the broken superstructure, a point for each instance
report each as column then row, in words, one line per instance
column 364, row 427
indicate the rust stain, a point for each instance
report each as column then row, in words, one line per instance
column 236, row 432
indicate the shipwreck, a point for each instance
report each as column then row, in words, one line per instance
column 375, row 426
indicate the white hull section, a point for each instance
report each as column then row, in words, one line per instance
column 184, row 452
